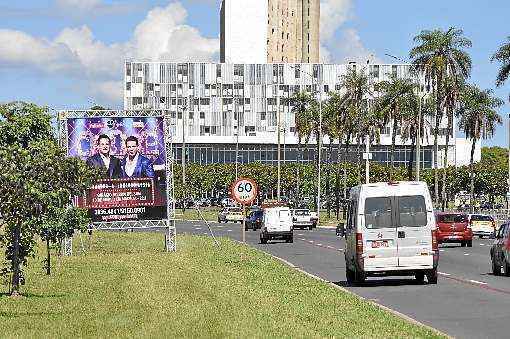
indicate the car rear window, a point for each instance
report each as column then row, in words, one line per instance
column 451, row 218
column 412, row 211
column 478, row 217
column 302, row 212
column 378, row 212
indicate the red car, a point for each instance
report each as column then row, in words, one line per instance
column 454, row 227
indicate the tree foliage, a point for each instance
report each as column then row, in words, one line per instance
column 37, row 182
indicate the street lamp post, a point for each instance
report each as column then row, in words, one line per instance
column 237, row 138
column 278, row 123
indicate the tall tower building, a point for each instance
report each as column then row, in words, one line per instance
column 270, row 31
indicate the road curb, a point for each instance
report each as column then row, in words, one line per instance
column 340, row 288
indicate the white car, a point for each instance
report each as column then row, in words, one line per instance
column 302, row 218
column 482, row 225
column 391, row 230
column 276, row 224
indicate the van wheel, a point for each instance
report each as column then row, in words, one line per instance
column 432, row 276
column 263, row 239
column 290, row 239
column 419, row 276
column 462, row 244
column 470, row 243
column 507, row 269
column 310, row 227
column 349, row 275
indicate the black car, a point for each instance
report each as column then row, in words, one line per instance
column 500, row 251
column 254, row 220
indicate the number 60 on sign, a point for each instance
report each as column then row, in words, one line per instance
column 244, row 191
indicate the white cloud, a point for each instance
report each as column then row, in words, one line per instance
column 341, row 44
column 75, row 52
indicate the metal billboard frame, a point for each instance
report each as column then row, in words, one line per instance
column 169, row 222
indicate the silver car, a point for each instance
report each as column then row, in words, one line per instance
column 500, row 251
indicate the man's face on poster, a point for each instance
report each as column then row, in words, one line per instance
column 104, row 146
column 132, row 148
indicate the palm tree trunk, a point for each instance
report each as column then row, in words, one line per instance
column 328, row 169
column 337, row 180
column 444, row 201
column 436, row 152
column 392, row 151
column 472, row 176
column 411, row 158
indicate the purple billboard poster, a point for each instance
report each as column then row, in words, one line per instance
column 131, row 152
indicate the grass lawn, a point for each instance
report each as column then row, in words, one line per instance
column 127, row 286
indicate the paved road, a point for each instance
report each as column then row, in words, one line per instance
column 467, row 302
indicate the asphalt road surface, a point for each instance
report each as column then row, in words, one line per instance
column 467, row 302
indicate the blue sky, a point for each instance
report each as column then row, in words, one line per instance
column 69, row 53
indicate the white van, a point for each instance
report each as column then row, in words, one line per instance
column 276, row 224
column 391, row 230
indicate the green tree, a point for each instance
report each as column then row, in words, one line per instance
column 502, row 55
column 439, row 55
column 495, row 155
column 478, row 119
column 36, row 181
column 393, row 104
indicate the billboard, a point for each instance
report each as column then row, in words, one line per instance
column 131, row 153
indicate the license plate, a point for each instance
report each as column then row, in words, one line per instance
column 380, row 243
column 453, row 237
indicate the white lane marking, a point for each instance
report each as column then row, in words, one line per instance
column 446, row 274
column 303, row 239
column 219, row 226
column 310, row 241
column 229, row 230
column 198, row 228
column 300, row 234
column 441, row 250
column 478, row 282
column 331, row 247
column 466, row 253
column 482, row 244
column 340, row 250
column 319, row 244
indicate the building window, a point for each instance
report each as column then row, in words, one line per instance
column 202, row 115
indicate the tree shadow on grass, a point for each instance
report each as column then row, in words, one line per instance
column 32, row 295
column 27, row 314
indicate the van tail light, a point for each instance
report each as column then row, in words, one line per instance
column 434, row 240
column 359, row 243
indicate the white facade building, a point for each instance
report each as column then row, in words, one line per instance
column 243, row 31
column 210, row 102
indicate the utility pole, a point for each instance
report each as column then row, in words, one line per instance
column 319, row 73
column 237, row 138
column 278, row 123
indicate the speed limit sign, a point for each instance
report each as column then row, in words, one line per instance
column 244, row 191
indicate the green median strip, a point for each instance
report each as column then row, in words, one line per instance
column 125, row 285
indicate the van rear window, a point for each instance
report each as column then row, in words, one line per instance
column 284, row 214
column 412, row 211
column 378, row 213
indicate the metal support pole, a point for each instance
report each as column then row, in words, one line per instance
column 320, row 147
column 278, row 119
column 237, row 140
column 367, row 156
column 507, row 209
column 418, row 142
column 183, row 160
column 244, row 223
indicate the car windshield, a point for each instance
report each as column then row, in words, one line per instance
column 302, row 212
column 478, row 217
column 451, row 218
column 378, row 212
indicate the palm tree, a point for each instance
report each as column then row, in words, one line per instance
column 440, row 54
column 357, row 88
column 478, row 119
column 411, row 123
column 392, row 104
column 301, row 107
column 503, row 56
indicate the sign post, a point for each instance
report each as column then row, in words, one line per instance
column 244, row 191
